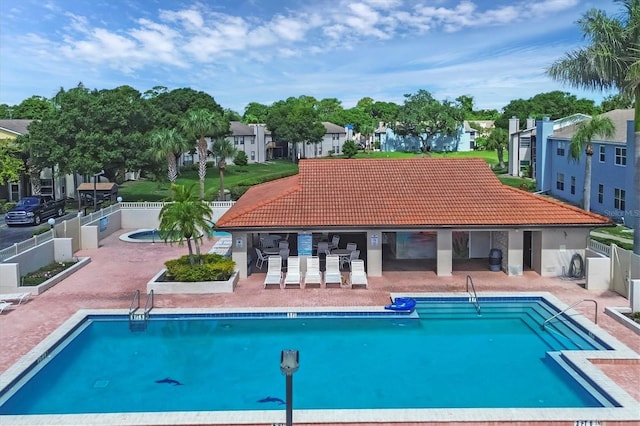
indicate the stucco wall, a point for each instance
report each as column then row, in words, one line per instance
column 558, row 246
column 479, row 244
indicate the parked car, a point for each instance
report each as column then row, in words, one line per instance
column 33, row 210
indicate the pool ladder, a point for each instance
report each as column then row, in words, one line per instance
column 138, row 319
column 569, row 307
column 473, row 297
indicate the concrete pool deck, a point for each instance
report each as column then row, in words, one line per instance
column 118, row 269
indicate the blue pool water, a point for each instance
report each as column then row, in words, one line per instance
column 448, row 356
column 153, row 235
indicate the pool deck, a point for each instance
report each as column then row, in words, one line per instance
column 118, row 269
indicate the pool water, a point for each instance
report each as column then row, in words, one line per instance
column 447, row 356
column 153, row 235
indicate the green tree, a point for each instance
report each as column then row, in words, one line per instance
column 170, row 107
column 349, row 148
column 241, row 159
column 556, row 104
column 11, row 165
column 498, row 140
column 255, row 113
column 611, row 60
column 187, row 217
column 616, row 101
column 89, row 131
column 581, row 141
column 35, row 107
column 295, row 121
column 423, row 117
column 222, row 148
column 167, row 144
column 199, row 124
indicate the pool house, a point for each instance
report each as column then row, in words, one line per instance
column 432, row 214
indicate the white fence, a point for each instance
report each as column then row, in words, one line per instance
column 25, row 245
column 599, row 247
column 218, row 208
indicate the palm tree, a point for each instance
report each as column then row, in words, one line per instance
column 222, row 149
column 187, row 217
column 612, row 60
column 166, row 143
column 498, row 140
column 581, row 140
column 200, row 124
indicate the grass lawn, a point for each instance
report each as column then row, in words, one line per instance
column 252, row 174
column 618, row 231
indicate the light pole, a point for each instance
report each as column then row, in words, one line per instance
column 52, row 223
column 289, row 363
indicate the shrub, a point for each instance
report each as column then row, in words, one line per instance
column 240, row 159
column 349, row 149
column 214, row 267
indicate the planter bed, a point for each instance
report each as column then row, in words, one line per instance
column 41, row 288
column 199, row 287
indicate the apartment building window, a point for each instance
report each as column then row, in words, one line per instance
column 236, row 140
column 560, row 150
column 525, row 142
column 600, row 193
column 621, row 156
column 602, row 153
column 560, row 182
column 619, row 199
column 253, row 140
column 253, row 156
column 573, row 184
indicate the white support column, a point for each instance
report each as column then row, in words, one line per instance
column 374, row 253
column 444, row 253
column 515, row 252
column 239, row 252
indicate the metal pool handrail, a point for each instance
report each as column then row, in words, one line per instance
column 473, row 297
column 569, row 307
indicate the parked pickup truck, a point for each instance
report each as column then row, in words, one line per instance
column 33, row 210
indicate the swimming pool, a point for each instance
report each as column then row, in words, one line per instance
column 445, row 356
column 153, row 236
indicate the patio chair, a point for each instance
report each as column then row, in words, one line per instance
column 332, row 274
column 284, row 254
column 335, row 241
column 346, row 260
column 357, row 276
column 274, row 272
column 293, row 277
column 352, row 246
column 323, row 248
column 4, row 305
column 260, row 259
column 283, row 244
column 14, row 297
column 313, row 277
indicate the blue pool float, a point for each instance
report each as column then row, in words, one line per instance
column 402, row 304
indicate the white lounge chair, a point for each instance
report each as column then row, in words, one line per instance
column 4, row 305
column 313, row 277
column 15, row 297
column 274, row 272
column 357, row 276
column 293, row 277
column 332, row 274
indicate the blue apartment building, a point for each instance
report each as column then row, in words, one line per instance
column 612, row 179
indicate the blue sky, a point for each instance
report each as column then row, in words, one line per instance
column 242, row 51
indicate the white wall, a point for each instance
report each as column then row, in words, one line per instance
column 558, row 246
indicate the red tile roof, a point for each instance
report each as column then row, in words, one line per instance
column 422, row 192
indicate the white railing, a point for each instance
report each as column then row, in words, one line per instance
column 159, row 204
column 25, row 245
column 599, row 247
column 98, row 214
